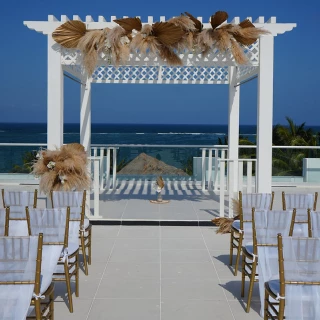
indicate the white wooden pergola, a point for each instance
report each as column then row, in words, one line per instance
column 216, row 68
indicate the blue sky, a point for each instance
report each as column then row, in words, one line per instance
column 23, row 76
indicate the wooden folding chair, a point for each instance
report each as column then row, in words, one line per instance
column 48, row 221
column 76, row 200
column 246, row 203
column 265, row 231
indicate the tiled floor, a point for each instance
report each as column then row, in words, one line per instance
column 130, row 201
column 158, row 273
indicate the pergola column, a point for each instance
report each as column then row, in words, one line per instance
column 55, row 96
column 265, row 114
column 85, row 115
column 233, row 129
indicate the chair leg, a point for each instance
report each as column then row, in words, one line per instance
column 252, row 278
column 67, row 276
column 37, row 305
column 238, row 255
column 281, row 309
column 243, row 276
column 89, row 247
column 51, row 308
column 83, row 248
column 231, row 247
column 77, row 275
column 266, row 299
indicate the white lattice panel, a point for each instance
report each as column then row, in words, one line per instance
column 214, row 58
column 75, row 70
column 246, row 72
column 161, row 74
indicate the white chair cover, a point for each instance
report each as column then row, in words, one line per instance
column 315, row 224
column 302, row 263
column 259, row 201
column 52, row 223
column 301, row 202
column 2, row 221
column 72, row 199
column 18, row 201
column 17, row 263
column 268, row 224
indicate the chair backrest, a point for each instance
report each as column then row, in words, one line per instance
column 266, row 225
column 302, row 202
column 20, row 265
column 54, row 225
column 4, row 221
column 18, row 200
column 76, row 200
column 313, row 223
column 247, row 201
column 299, row 273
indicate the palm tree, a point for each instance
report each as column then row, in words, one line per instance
column 289, row 161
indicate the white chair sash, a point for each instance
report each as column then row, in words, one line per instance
column 52, row 223
column 17, row 263
column 268, row 224
column 301, row 202
column 302, row 263
column 18, row 201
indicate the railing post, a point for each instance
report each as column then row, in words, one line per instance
column 114, row 171
column 203, row 169
column 231, row 174
column 101, row 167
column 222, row 191
column 108, row 170
column 96, row 208
column 216, row 168
column 210, row 169
column 240, row 176
column 249, row 176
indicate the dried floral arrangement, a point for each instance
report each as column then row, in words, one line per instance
column 225, row 224
column 62, row 169
column 159, row 184
column 163, row 39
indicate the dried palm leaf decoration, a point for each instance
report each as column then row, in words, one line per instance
column 164, row 39
column 160, row 38
column 225, row 224
column 229, row 36
column 62, row 169
column 69, row 33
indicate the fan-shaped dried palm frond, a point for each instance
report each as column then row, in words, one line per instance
column 190, row 31
column 69, row 33
column 167, row 33
column 129, row 24
column 91, row 44
column 198, row 25
column 218, row 18
column 184, row 22
column 246, row 33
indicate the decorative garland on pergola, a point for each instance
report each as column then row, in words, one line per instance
column 163, row 39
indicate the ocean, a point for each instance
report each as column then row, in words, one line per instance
column 182, row 134
column 11, row 158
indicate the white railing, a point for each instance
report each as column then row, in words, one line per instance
column 222, row 180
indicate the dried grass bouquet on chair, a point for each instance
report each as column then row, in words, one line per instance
column 63, row 169
column 225, row 224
